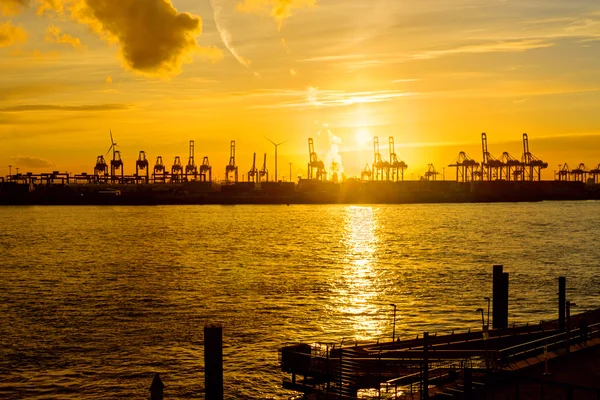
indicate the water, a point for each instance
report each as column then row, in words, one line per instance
column 95, row 299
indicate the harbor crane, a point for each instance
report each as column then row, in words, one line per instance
column 205, row 169
column 116, row 164
column 176, row 170
column 231, row 168
column 512, row 169
column 491, row 167
column 564, row 172
column 431, row 174
column 101, row 167
column 316, row 167
column 366, row 174
column 263, row 174
column 532, row 165
column 466, row 168
column 159, row 169
column 381, row 169
column 191, row 167
column 580, row 173
column 253, row 173
column 142, row 164
column 595, row 174
column 397, row 167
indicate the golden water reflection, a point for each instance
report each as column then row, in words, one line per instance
column 357, row 287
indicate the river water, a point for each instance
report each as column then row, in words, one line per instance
column 94, row 300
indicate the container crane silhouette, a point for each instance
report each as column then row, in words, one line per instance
column 466, row 168
column 366, row 174
column 253, row 173
column 491, row 167
column 191, row 167
column 159, row 168
column 532, row 165
column 116, row 164
column 381, row 168
column 397, row 167
column 142, row 164
column 316, row 167
column 580, row 173
column 176, row 170
column 431, row 174
column 263, row 174
column 231, row 168
column 205, row 169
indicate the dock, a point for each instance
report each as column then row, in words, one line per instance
column 507, row 362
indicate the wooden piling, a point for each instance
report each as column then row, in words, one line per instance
column 156, row 388
column 562, row 302
column 425, row 383
column 213, row 362
column 500, row 298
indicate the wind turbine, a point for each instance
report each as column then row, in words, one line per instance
column 113, row 145
column 276, row 145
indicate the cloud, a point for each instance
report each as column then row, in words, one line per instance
column 10, row 34
column 109, row 80
column 226, row 35
column 53, row 35
column 280, row 10
column 12, row 7
column 505, row 46
column 56, row 107
column 30, row 162
column 50, row 5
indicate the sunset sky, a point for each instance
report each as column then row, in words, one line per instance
column 432, row 73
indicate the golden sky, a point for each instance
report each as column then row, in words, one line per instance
column 432, row 73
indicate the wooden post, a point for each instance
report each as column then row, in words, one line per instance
column 496, row 297
column 562, row 296
column 425, row 389
column 213, row 362
column 156, row 388
column 468, row 380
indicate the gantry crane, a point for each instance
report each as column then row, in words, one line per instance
column 263, row 174
column 532, row 165
column 205, row 169
column 316, row 167
column 101, row 167
column 431, row 174
column 512, row 169
column 191, row 167
column 580, row 173
column 142, row 164
column 159, row 169
column 231, row 168
column 116, row 164
column 491, row 167
column 176, row 170
column 366, row 174
column 564, row 172
column 381, row 168
column 397, row 167
column 253, row 173
column 595, row 174
column 466, row 168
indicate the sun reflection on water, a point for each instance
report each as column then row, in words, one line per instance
column 357, row 290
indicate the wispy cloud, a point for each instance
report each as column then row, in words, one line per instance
column 226, row 35
column 30, row 162
column 490, row 47
column 313, row 97
column 280, row 10
column 55, row 35
column 55, row 107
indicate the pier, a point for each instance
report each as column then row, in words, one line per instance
column 506, row 362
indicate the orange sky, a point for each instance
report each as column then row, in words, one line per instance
column 434, row 74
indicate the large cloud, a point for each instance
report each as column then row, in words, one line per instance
column 30, row 162
column 10, row 34
column 279, row 9
column 155, row 38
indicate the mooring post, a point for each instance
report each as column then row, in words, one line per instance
column 213, row 361
column 562, row 297
column 568, row 330
column 496, row 286
column 425, row 389
column 156, row 388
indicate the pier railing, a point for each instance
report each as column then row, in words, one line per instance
column 543, row 345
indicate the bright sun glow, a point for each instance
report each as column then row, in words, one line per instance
column 362, row 137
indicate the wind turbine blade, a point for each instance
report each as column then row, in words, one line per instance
column 285, row 141
column 109, row 149
column 111, row 138
column 271, row 141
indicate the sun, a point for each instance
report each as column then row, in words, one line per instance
column 362, row 136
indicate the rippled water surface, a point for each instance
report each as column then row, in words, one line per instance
column 93, row 300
